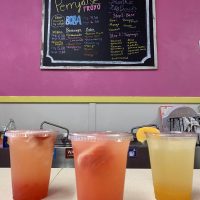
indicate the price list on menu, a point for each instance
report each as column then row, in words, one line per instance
column 98, row 34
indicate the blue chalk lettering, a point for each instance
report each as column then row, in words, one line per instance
column 73, row 20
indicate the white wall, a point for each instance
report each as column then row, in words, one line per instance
column 82, row 117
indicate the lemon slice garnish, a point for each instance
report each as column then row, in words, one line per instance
column 141, row 133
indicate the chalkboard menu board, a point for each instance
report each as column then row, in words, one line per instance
column 98, row 34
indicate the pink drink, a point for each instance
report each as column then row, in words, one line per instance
column 31, row 155
column 100, row 164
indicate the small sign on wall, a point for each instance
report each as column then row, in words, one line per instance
column 98, row 34
column 132, row 153
column 69, row 153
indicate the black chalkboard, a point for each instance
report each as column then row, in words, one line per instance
column 98, row 34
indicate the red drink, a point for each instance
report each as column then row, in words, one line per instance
column 100, row 163
column 31, row 155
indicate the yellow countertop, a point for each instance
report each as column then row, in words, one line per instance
column 138, row 184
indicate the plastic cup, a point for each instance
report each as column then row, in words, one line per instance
column 100, row 164
column 31, row 153
column 172, row 163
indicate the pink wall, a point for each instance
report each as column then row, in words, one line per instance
column 178, row 33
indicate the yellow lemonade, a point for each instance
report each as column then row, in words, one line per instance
column 31, row 155
column 100, row 166
column 172, row 162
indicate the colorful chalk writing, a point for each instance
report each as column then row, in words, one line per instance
column 99, row 33
column 63, row 6
column 73, row 20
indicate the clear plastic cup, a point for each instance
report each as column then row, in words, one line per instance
column 100, row 164
column 31, row 153
column 172, row 163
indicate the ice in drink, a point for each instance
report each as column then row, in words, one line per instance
column 172, row 162
column 100, row 163
column 31, row 155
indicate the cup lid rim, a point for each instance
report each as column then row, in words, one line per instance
column 100, row 135
column 28, row 133
column 174, row 134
